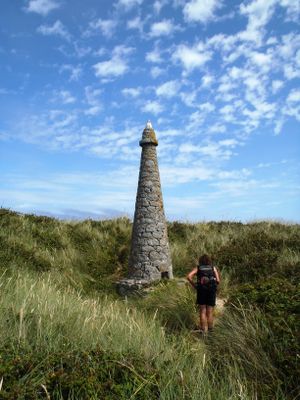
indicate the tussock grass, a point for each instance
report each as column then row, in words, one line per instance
column 35, row 312
column 173, row 303
column 36, row 317
column 64, row 334
column 240, row 337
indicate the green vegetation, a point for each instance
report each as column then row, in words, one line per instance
column 65, row 334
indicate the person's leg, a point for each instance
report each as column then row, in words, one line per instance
column 210, row 317
column 203, row 319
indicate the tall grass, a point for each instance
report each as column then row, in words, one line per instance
column 36, row 317
column 35, row 312
column 64, row 333
column 240, row 337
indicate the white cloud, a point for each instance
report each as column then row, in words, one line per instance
column 293, row 8
column 227, row 113
column 154, row 56
column 93, row 110
column 128, row 4
column 214, row 150
column 189, row 98
column 156, row 71
column 80, row 51
column 207, row 80
column 171, row 175
column 112, row 68
column 261, row 60
column 74, row 70
column 294, row 96
column 217, row 128
column 64, row 96
column 259, row 12
column 226, row 85
column 153, row 107
column 207, row 107
column 200, row 10
column 291, row 72
column 92, row 99
column 57, row 29
column 196, row 119
column 225, row 43
column 135, row 23
column 116, row 66
column 278, row 126
column 43, row 7
column 162, row 28
column 106, row 26
column 122, row 50
column 168, row 89
column 132, row 92
column 192, row 57
column 277, row 85
column 158, row 5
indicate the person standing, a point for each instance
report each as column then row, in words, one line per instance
column 208, row 279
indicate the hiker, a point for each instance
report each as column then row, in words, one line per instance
column 207, row 280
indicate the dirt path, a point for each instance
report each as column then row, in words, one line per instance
column 220, row 304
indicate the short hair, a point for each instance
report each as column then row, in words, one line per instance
column 205, row 260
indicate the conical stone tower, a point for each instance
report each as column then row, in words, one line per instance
column 150, row 258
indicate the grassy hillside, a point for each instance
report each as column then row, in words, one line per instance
column 65, row 334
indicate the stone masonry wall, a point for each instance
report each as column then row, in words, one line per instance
column 150, row 255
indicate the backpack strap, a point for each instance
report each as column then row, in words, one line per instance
column 213, row 270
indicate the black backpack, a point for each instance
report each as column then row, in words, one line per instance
column 206, row 277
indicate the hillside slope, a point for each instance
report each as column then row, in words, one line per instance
column 66, row 334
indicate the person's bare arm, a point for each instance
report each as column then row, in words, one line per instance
column 191, row 276
column 217, row 275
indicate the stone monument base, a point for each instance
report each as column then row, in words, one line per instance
column 132, row 286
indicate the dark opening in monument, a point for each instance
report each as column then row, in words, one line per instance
column 165, row 275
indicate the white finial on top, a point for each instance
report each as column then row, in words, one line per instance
column 149, row 125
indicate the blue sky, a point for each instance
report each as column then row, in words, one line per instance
column 218, row 79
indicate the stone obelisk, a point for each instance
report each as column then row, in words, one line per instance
column 149, row 258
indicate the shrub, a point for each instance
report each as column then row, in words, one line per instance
column 173, row 303
column 74, row 375
column 279, row 303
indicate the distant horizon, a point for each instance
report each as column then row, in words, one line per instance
column 80, row 216
column 219, row 82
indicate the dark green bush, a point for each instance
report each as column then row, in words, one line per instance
column 279, row 301
column 74, row 375
column 254, row 255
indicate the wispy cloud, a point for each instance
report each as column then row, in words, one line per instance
column 168, row 89
column 163, row 28
column 158, row 5
column 192, row 57
column 63, row 96
column 156, row 71
column 200, row 10
column 154, row 56
column 132, row 92
column 294, row 96
column 153, row 107
column 128, row 4
column 92, row 98
column 42, row 7
column 75, row 71
column 116, row 66
column 57, row 29
column 105, row 26
column 136, row 23
column 214, row 89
